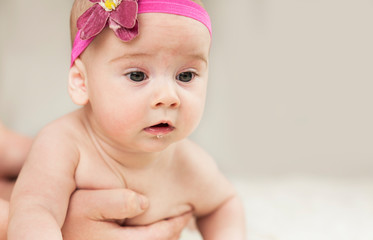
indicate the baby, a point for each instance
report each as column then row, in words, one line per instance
column 139, row 70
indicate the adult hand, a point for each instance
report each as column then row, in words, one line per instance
column 6, row 187
column 4, row 210
column 92, row 213
column 14, row 148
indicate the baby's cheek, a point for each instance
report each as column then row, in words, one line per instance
column 194, row 116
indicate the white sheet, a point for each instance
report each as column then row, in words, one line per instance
column 305, row 208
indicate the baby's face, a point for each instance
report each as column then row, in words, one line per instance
column 150, row 92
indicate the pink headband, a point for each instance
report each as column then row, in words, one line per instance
column 121, row 16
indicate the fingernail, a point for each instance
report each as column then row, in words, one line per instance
column 144, row 202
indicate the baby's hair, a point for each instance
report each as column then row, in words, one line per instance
column 80, row 6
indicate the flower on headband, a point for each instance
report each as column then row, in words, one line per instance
column 120, row 15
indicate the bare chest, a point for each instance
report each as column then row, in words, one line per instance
column 162, row 187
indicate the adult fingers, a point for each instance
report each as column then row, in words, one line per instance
column 172, row 228
column 108, row 204
column 169, row 229
column 6, row 187
column 90, row 212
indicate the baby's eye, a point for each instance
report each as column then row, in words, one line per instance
column 185, row 76
column 136, row 76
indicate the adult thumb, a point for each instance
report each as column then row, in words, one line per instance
column 109, row 204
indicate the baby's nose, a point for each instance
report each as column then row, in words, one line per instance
column 166, row 96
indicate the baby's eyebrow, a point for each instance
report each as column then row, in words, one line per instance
column 195, row 56
column 200, row 57
column 130, row 56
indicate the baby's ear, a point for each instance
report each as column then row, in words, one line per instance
column 77, row 83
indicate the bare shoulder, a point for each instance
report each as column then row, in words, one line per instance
column 61, row 136
column 208, row 186
column 68, row 125
column 52, row 161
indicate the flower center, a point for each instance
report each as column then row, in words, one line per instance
column 110, row 5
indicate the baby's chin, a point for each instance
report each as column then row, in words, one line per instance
column 159, row 144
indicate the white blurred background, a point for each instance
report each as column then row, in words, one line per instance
column 290, row 81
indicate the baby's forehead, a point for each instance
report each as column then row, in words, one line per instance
column 156, row 41
column 158, row 31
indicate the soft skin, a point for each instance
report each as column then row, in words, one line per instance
column 88, row 209
column 126, row 89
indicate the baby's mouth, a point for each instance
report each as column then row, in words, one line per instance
column 161, row 128
column 161, row 125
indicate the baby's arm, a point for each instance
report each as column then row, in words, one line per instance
column 41, row 195
column 225, row 222
column 219, row 210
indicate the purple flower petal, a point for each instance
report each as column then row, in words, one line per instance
column 127, row 34
column 95, row 1
column 95, row 23
column 82, row 20
column 126, row 14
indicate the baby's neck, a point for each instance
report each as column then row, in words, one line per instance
column 133, row 160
